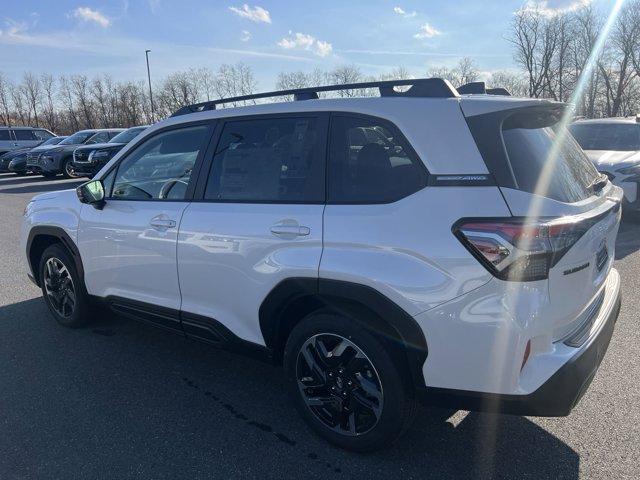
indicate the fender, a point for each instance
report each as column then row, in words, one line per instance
column 294, row 298
column 60, row 234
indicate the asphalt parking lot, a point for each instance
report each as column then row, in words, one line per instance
column 122, row 400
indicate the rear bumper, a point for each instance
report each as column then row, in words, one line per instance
column 554, row 398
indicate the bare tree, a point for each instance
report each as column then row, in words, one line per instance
column 49, row 90
column 465, row 71
column 5, row 89
column 32, row 93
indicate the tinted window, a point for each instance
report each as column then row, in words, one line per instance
column 160, row 168
column 369, row 162
column 602, row 136
column 529, row 151
column 43, row 134
column 102, row 137
column 25, row 135
column 127, row 135
column 4, row 135
column 53, row 141
column 268, row 160
column 77, row 138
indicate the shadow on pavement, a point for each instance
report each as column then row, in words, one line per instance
column 13, row 180
column 628, row 240
column 41, row 187
column 126, row 397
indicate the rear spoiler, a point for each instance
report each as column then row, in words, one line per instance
column 480, row 88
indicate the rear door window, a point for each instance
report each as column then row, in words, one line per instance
column 25, row 135
column 269, row 160
column 371, row 162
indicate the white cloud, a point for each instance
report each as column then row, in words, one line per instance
column 255, row 14
column 304, row 41
column 246, row 36
column 551, row 8
column 401, row 11
column 427, row 31
column 86, row 14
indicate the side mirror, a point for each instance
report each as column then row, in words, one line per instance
column 92, row 193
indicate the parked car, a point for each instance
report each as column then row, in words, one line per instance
column 18, row 163
column 59, row 159
column 613, row 145
column 13, row 138
column 383, row 250
column 88, row 159
column 5, row 158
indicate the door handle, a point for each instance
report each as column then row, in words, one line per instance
column 160, row 223
column 290, row 230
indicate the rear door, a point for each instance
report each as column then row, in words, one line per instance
column 26, row 137
column 7, row 141
column 256, row 220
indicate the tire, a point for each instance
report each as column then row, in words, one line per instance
column 57, row 258
column 67, row 169
column 372, row 375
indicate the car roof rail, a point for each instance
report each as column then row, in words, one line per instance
column 480, row 88
column 420, row 87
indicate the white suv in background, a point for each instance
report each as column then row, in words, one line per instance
column 384, row 250
column 613, row 145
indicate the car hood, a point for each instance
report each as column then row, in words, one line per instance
column 70, row 194
column 612, row 158
column 42, row 148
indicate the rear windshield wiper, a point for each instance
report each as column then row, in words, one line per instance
column 599, row 183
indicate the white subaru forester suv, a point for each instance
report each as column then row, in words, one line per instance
column 416, row 246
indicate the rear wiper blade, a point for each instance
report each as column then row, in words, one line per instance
column 599, row 183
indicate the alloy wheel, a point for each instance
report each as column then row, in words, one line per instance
column 339, row 384
column 59, row 287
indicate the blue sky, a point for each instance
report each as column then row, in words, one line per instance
column 92, row 37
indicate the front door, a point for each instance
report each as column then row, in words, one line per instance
column 256, row 221
column 129, row 246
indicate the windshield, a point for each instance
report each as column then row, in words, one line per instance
column 127, row 135
column 529, row 150
column 77, row 138
column 624, row 137
column 52, row 141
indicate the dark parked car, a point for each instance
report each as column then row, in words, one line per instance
column 17, row 162
column 89, row 159
column 14, row 138
column 59, row 158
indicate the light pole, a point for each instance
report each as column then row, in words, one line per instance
column 153, row 119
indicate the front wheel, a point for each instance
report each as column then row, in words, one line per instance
column 67, row 169
column 345, row 384
column 62, row 287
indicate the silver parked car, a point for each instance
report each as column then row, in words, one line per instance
column 613, row 145
column 12, row 138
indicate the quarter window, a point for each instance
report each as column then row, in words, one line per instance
column 160, row 168
column 268, row 160
column 369, row 162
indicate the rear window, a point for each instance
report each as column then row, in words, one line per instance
column 530, row 152
column 623, row 137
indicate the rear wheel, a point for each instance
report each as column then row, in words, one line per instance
column 62, row 287
column 345, row 384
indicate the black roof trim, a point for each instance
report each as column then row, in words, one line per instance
column 480, row 88
column 420, row 87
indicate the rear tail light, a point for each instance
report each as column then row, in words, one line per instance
column 517, row 249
